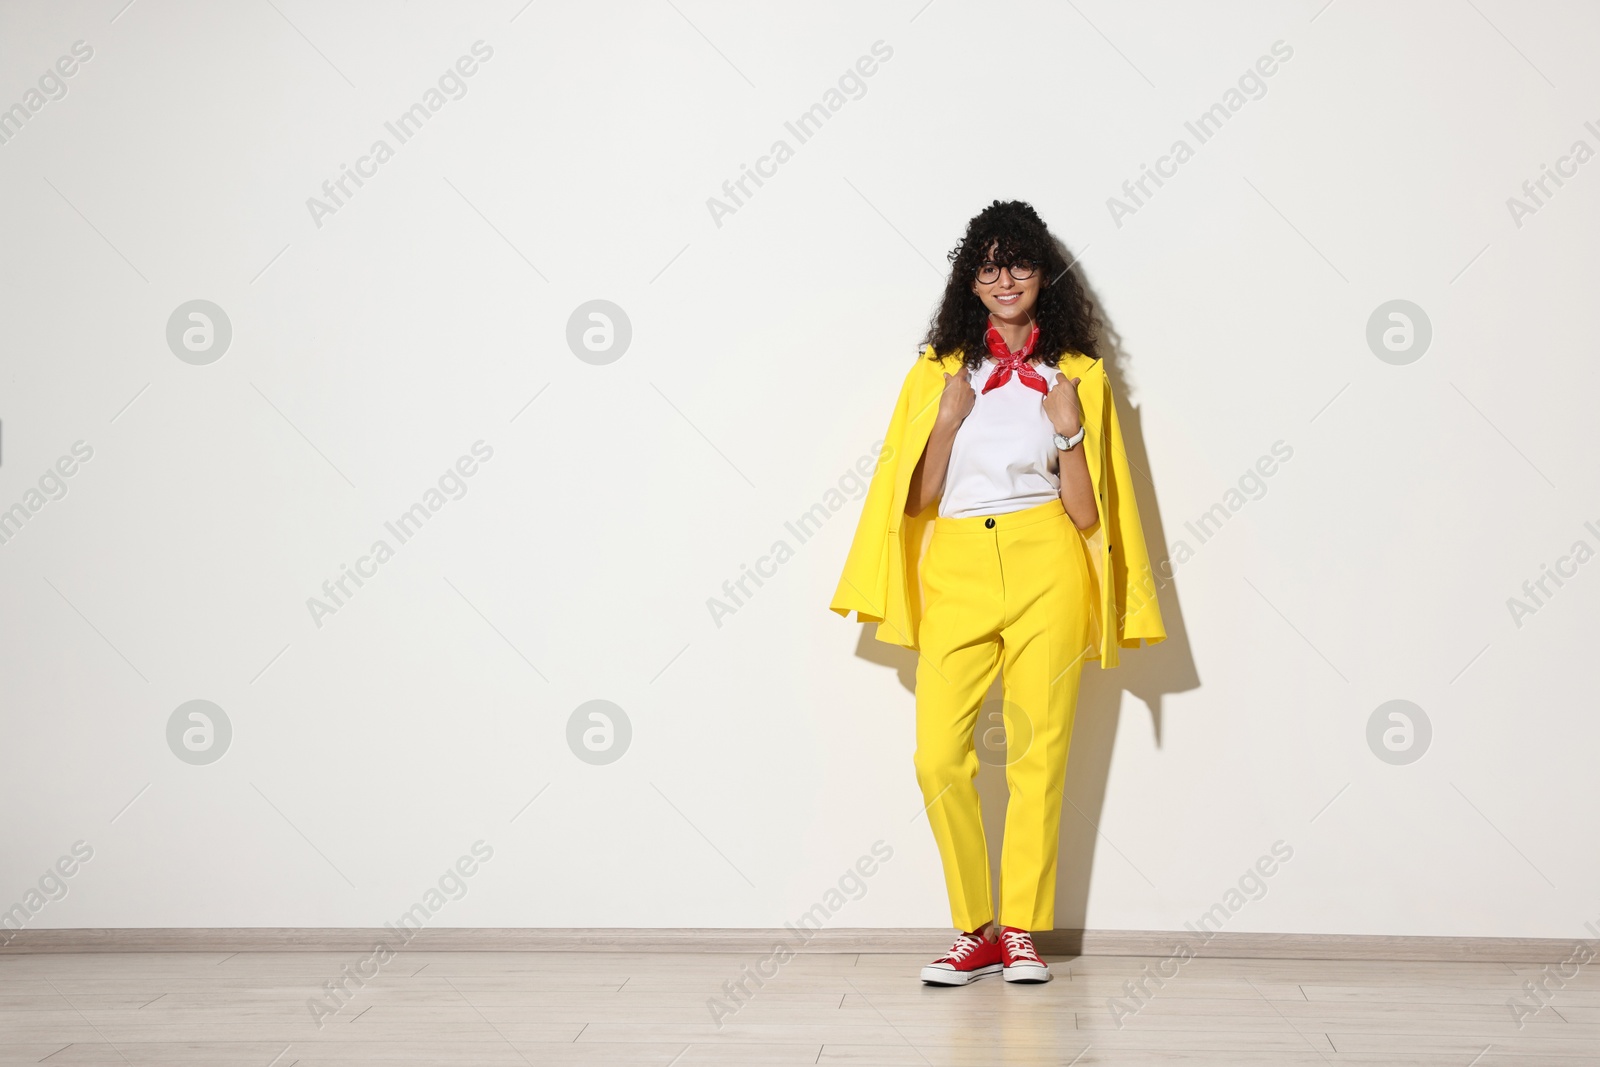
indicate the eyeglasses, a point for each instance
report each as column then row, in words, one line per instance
column 1020, row 271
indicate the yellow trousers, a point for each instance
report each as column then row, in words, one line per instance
column 1011, row 593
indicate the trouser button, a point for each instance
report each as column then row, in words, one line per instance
column 989, row 522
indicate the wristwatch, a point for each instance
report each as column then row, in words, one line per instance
column 1067, row 444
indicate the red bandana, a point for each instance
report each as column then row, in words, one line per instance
column 1007, row 361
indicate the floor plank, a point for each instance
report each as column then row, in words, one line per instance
column 655, row 1009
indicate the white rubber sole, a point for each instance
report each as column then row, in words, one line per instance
column 948, row 976
column 1027, row 972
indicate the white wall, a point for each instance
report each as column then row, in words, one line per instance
column 431, row 312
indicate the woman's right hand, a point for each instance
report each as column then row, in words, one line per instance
column 955, row 403
column 927, row 478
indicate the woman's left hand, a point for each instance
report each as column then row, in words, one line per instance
column 1062, row 407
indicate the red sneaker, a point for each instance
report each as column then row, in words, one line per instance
column 970, row 958
column 1021, row 959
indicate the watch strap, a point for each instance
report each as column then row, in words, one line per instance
column 1071, row 442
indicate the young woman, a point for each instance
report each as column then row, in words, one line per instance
column 1000, row 533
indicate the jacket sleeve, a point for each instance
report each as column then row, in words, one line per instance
column 864, row 584
column 1131, row 611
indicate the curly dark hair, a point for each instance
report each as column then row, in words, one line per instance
column 1064, row 312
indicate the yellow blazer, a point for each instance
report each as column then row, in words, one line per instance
column 881, row 579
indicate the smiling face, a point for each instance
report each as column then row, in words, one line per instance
column 1009, row 299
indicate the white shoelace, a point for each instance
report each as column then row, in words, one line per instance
column 1020, row 946
column 964, row 946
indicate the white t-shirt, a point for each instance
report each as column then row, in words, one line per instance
column 1004, row 457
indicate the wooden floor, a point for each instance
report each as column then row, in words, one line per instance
column 510, row 1008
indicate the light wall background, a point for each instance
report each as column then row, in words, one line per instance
column 772, row 748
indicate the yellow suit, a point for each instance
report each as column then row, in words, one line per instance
column 880, row 582
column 1014, row 593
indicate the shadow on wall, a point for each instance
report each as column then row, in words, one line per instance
column 1149, row 673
